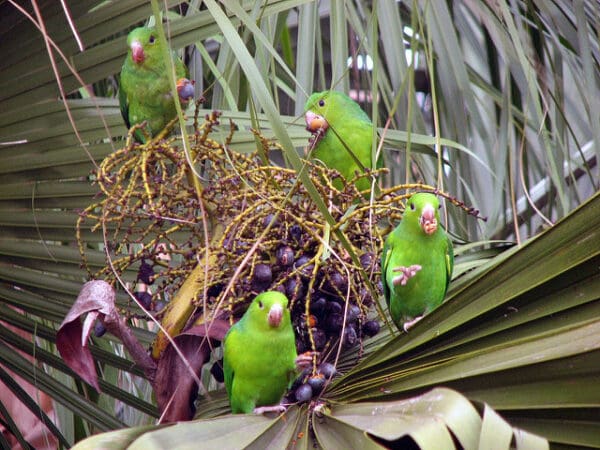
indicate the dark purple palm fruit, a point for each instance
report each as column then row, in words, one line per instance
column 327, row 370
column 215, row 290
column 350, row 338
column 367, row 261
column 145, row 298
column 317, row 383
column 146, row 273
column 296, row 233
column 269, row 218
column 300, row 379
column 284, row 256
column 352, row 313
column 371, row 328
column 318, row 306
column 334, row 307
column 99, row 329
column 307, row 270
column 262, row 276
column 303, row 393
column 337, row 283
column 319, row 338
column 294, row 289
column 334, row 322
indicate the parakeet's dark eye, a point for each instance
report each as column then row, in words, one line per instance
column 412, row 206
column 260, row 305
column 152, row 39
column 440, row 206
column 321, row 103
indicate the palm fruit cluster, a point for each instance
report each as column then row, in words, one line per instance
column 146, row 223
column 278, row 242
column 253, row 227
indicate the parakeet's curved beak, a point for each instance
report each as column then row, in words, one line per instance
column 137, row 52
column 315, row 122
column 427, row 220
column 275, row 315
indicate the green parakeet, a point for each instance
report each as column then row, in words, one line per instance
column 144, row 91
column 417, row 262
column 342, row 134
column 259, row 355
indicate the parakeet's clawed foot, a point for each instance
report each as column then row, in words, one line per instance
column 266, row 409
column 305, row 360
column 411, row 323
column 406, row 274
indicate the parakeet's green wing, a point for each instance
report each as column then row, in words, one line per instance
column 235, row 352
column 449, row 262
column 232, row 337
column 124, row 106
column 385, row 260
